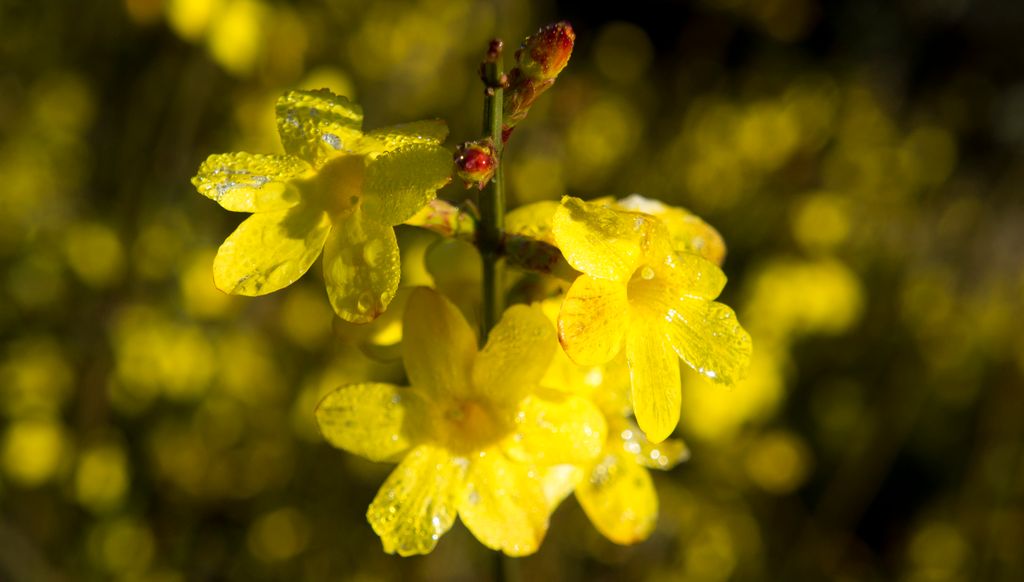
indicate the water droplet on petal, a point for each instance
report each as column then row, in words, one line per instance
column 373, row 252
column 365, row 302
column 647, row 273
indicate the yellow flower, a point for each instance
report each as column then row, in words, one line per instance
column 335, row 189
column 689, row 233
column 475, row 435
column 638, row 293
column 615, row 490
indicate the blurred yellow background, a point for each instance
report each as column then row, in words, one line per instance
column 861, row 158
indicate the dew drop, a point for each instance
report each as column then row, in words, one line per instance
column 332, row 140
column 373, row 252
column 647, row 273
column 365, row 302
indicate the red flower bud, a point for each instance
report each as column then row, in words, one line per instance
column 475, row 162
column 545, row 53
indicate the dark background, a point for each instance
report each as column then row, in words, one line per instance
column 862, row 160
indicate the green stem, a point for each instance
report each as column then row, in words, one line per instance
column 491, row 227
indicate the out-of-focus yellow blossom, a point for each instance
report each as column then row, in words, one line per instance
column 475, row 435
column 778, row 462
column 35, row 377
column 822, row 221
column 156, row 354
column 599, row 138
column 636, row 292
column 719, row 415
column 101, row 478
column 304, row 319
column 33, row 451
column 615, row 490
column 235, row 35
column 938, row 550
column 94, row 253
column 279, row 535
column 122, row 546
column 791, row 296
column 162, row 242
column 337, row 190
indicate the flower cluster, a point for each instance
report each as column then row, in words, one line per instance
column 497, row 436
column 336, row 190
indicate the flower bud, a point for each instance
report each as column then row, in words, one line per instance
column 545, row 53
column 475, row 162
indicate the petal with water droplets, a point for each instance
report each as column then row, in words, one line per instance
column 694, row 276
column 401, row 182
column 270, row 250
column 664, row 455
column 438, row 345
column 318, row 125
column 597, row 240
column 553, row 428
column 387, row 139
column 417, row 503
column 654, row 376
column 619, row 498
column 504, row 504
column 361, row 267
column 244, row 182
column 707, row 336
column 593, row 320
column 375, row 421
column 518, row 351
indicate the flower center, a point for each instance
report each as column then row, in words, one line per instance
column 643, row 286
column 339, row 184
column 472, row 425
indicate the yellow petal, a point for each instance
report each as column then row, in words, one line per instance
column 593, row 320
column 438, row 345
column 558, row 482
column 533, row 220
column 597, row 240
column 654, row 375
column 270, row 250
column 375, row 421
column 628, row 437
column 689, row 233
column 244, row 182
column 707, row 336
column 386, row 139
column 518, row 352
column 695, row 276
column 361, row 268
column 417, row 503
column 619, row 498
column 401, row 182
column 556, row 429
column 457, row 270
column 504, row 504
column 317, row 125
